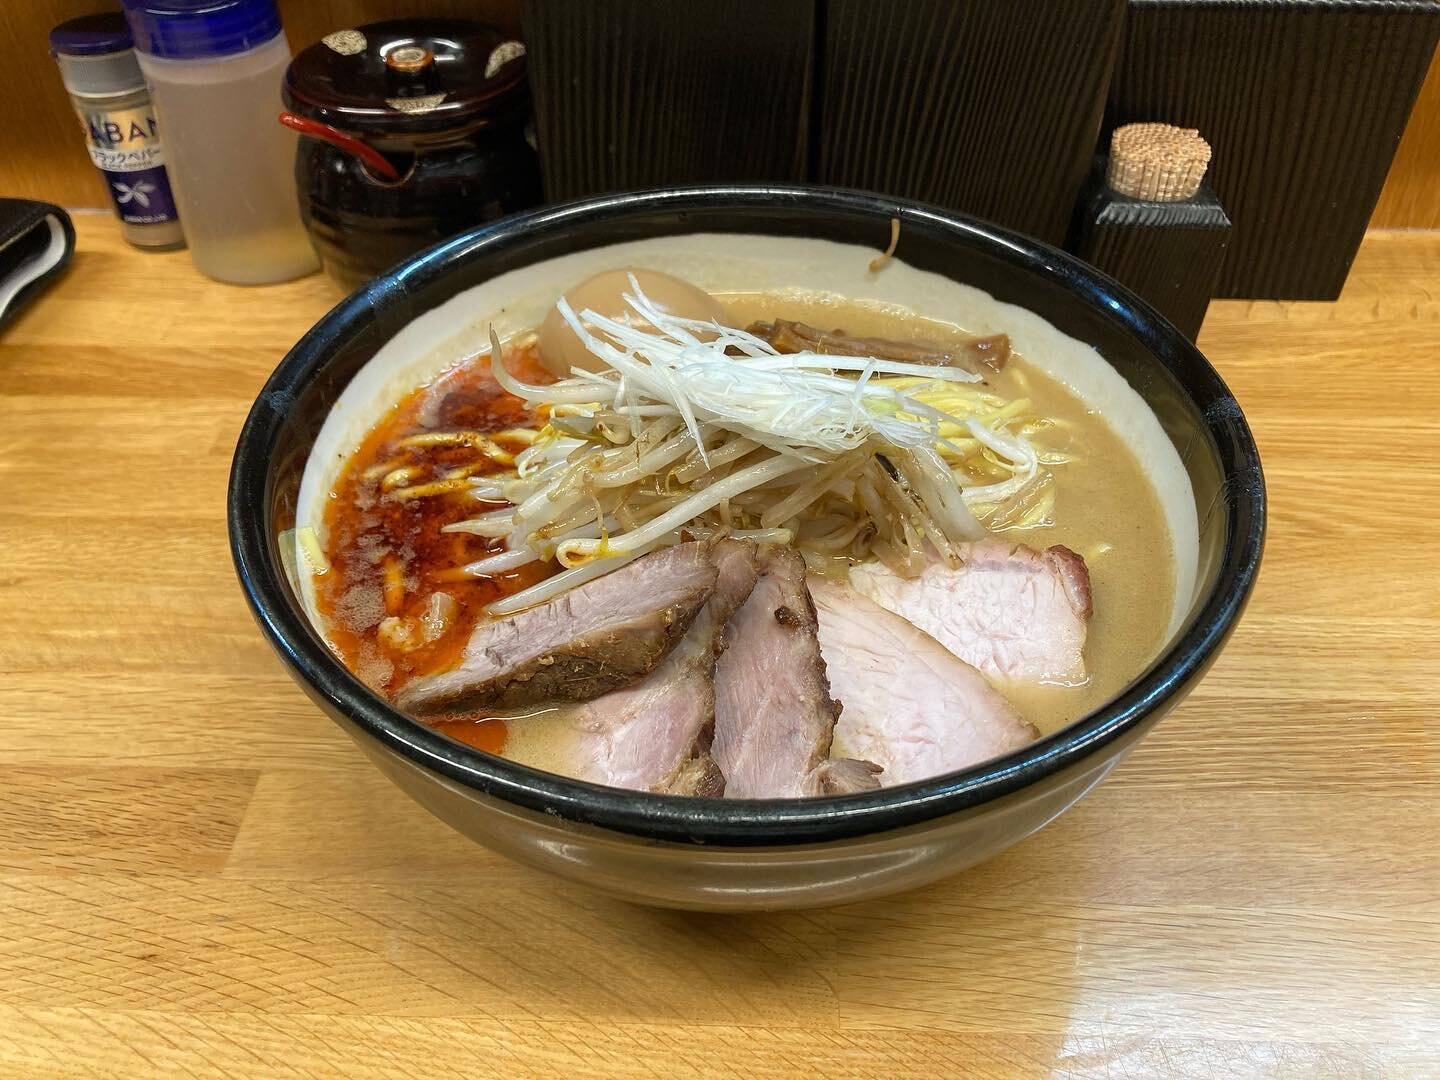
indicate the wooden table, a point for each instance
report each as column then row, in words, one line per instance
column 200, row 874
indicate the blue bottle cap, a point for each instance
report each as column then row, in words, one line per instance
column 201, row 29
column 91, row 35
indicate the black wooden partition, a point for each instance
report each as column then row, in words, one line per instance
column 994, row 107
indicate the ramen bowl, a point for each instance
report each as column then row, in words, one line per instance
column 737, row 855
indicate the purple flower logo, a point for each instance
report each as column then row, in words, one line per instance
column 138, row 193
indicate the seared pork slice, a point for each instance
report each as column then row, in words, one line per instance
column 1009, row 610
column 601, row 635
column 774, row 717
column 909, row 704
column 845, row 776
column 656, row 734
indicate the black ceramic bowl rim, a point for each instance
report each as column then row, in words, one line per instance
column 744, row 823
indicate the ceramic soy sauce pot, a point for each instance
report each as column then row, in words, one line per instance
column 414, row 130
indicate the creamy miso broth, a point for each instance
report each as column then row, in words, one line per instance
column 388, row 553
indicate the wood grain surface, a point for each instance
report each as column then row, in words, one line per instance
column 200, row 876
column 1411, row 197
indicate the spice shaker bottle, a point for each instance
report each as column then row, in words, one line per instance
column 97, row 65
column 214, row 69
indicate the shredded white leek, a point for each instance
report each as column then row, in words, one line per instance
column 694, row 429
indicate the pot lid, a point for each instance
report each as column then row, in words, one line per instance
column 406, row 77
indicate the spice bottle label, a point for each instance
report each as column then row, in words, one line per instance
column 125, row 146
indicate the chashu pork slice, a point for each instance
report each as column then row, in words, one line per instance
column 908, row 703
column 604, row 634
column 1009, row 610
column 774, row 717
column 655, row 735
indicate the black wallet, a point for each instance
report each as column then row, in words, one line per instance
column 36, row 242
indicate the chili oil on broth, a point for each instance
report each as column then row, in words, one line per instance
column 386, row 557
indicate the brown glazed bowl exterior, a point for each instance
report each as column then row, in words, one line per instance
column 748, row 855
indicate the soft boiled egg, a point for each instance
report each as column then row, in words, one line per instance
column 561, row 350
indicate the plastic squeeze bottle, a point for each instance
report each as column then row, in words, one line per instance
column 214, row 69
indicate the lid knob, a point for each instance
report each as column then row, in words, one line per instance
column 409, row 58
column 406, row 78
